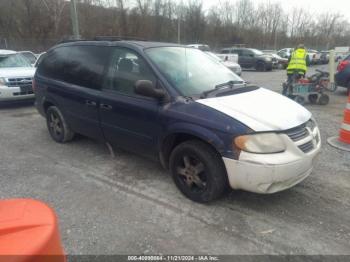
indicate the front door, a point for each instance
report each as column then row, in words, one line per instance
column 248, row 59
column 129, row 120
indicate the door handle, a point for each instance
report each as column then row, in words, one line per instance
column 90, row 103
column 106, row 107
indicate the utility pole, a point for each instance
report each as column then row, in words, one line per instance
column 74, row 17
column 179, row 30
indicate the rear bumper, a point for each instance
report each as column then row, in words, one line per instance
column 13, row 94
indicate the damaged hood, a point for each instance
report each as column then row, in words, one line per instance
column 262, row 110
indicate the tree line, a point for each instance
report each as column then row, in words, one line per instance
column 38, row 24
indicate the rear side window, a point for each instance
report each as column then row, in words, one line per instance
column 237, row 51
column 246, row 53
column 78, row 65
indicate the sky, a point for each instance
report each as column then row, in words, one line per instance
column 314, row 6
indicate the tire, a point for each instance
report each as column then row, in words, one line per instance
column 57, row 126
column 313, row 98
column 260, row 66
column 198, row 171
column 300, row 100
column 323, row 100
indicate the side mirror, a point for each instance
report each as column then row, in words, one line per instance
column 147, row 88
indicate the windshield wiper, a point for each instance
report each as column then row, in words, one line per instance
column 230, row 84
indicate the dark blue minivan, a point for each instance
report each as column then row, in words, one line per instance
column 175, row 104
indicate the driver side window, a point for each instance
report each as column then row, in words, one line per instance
column 125, row 68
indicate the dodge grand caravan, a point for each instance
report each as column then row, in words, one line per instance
column 177, row 105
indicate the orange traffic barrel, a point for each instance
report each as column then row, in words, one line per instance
column 29, row 232
column 343, row 141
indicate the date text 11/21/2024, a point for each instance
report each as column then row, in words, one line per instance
column 173, row 258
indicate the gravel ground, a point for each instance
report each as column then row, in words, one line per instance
column 128, row 204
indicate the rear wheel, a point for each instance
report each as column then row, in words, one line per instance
column 57, row 125
column 198, row 171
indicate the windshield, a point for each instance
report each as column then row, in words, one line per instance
column 257, row 52
column 14, row 60
column 31, row 57
column 190, row 71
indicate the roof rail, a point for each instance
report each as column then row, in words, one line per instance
column 117, row 38
column 101, row 38
column 69, row 40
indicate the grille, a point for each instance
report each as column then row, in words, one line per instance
column 298, row 133
column 23, row 81
column 306, row 148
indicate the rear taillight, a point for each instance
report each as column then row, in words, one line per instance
column 342, row 65
column 33, row 85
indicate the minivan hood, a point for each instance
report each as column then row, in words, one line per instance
column 17, row 72
column 261, row 110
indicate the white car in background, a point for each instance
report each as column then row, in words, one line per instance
column 16, row 76
column 285, row 53
column 231, row 63
column 234, row 67
column 314, row 56
column 29, row 55
column 202, row 47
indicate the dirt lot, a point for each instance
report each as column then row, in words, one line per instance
column 129, row 205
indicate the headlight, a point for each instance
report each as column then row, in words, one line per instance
column 268, row 59
column 266, row 143
column 2, row 81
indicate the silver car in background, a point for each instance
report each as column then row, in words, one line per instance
column 16, row 76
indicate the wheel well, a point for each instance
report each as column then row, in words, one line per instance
column 46, row 105
column 170, row 142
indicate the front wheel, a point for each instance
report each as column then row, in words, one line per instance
column 198, row 171
column 57, row 125
column 261, row 67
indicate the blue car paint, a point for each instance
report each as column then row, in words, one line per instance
column 214, row 127
column 343, row 78
column 138, row 125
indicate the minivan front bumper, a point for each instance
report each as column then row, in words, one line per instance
column 271, row 173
